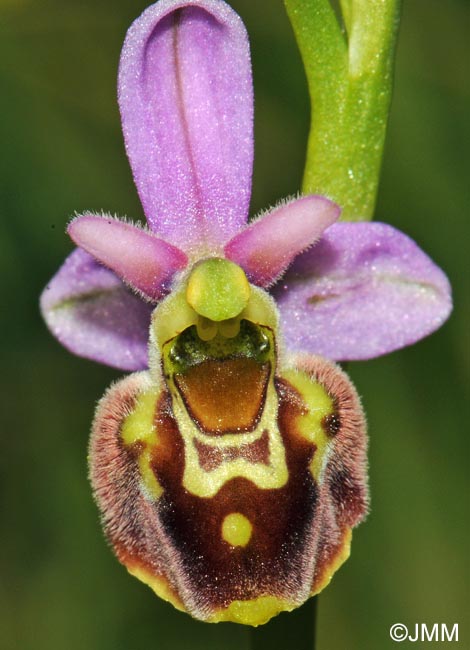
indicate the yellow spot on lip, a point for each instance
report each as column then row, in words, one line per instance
column 236, row 529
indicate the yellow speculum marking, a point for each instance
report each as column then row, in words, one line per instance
column 138, row 427
column 204, row 483
column 236, row 529
column 319, row 405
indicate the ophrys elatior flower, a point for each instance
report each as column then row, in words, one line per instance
column 230, row 473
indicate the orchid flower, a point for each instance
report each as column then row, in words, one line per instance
column 231, row 469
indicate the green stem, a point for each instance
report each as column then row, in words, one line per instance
column 349, row 73
column 294, row 630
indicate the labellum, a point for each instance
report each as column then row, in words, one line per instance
column 228, row 477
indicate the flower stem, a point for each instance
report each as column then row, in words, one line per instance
column 349, row 69
column 293, row 630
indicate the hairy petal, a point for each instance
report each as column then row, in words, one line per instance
column 185, row 94
column 140, row 258
column 364, row 290
column 267, row 246
column 94, row 315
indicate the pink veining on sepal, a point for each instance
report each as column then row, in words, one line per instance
column 266, row 247
column 94, row 315
column 364, row 290
column 186, row 100
column 141, row 259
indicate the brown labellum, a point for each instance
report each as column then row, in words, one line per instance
column 231, row 488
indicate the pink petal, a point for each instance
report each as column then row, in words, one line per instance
column 142, row 260
column 267, row 246
column 185, row 94
column 364, row 290
column 95, row 316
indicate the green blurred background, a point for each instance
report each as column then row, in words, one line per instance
column 61, row 151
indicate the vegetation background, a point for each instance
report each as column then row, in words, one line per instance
column 62, row 151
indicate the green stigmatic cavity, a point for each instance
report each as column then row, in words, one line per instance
column 218, row 289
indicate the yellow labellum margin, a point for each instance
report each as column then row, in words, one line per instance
column 228, row 477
